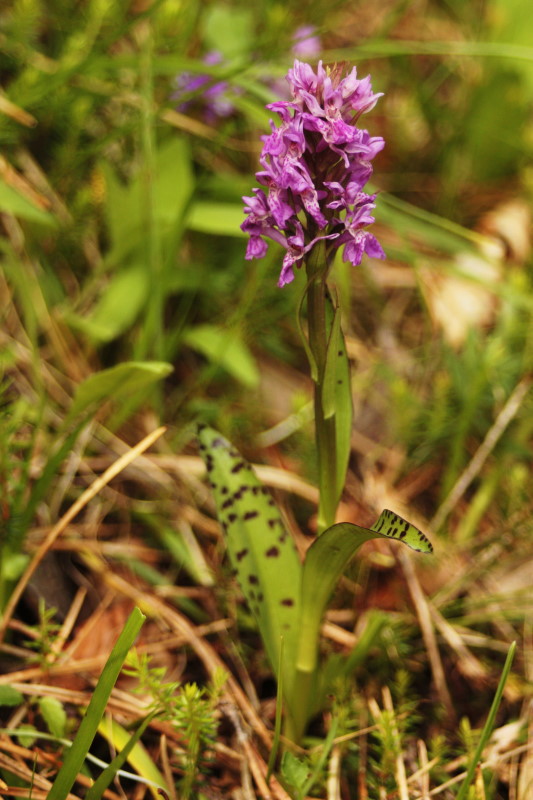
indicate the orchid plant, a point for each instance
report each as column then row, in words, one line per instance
column 315, row 165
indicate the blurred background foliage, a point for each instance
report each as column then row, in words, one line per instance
column 125, row 149
column 123, row 197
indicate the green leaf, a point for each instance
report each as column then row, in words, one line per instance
column 89, row 725
column 338, row 392
column 438, row 232
column 27, row 735
column 117, row 383
column 126, row 205
column 10, row 696
column 223, row 219
column 225, row 349
column 54, row 715
column 330, row 371
column 228, row 29
column 295, row 771
column 261, row 551
column 488, row 726
column 18, row 205
column 118, row 307
column 325, row 562
column 507, row 26
column 13, row 565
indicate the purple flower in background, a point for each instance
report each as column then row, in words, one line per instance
column 307, row 42
column 314, row 167
column 216, row 101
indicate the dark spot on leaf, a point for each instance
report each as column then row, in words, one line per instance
column 232, row 517
column 238, row 466
column 287, row 601
column 273, row 522
column 227, row 503
column 272, row 552
column 241, row 553
column 339, row 353
column 260, row 597
column 253, row 579
column 251, row 515
column 224, row 490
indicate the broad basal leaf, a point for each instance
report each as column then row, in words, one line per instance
column 325, row 562
column 261, row 551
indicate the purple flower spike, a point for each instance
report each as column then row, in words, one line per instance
column 315, row 164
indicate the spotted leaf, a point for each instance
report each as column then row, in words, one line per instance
column 325, row 562
column 261, row 550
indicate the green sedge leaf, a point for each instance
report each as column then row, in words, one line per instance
column 261, row 551
column 75, row 757
column 309, row 353
column 325, row 562
column 341, row 388
column 330, row 371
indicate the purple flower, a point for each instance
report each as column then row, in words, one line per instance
column 307, row 43
column 215, row 97
column 315, row 164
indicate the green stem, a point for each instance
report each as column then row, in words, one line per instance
column 299, row 707
column 317, row 269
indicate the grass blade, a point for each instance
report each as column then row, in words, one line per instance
column 489, row 724
column 89, row 725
